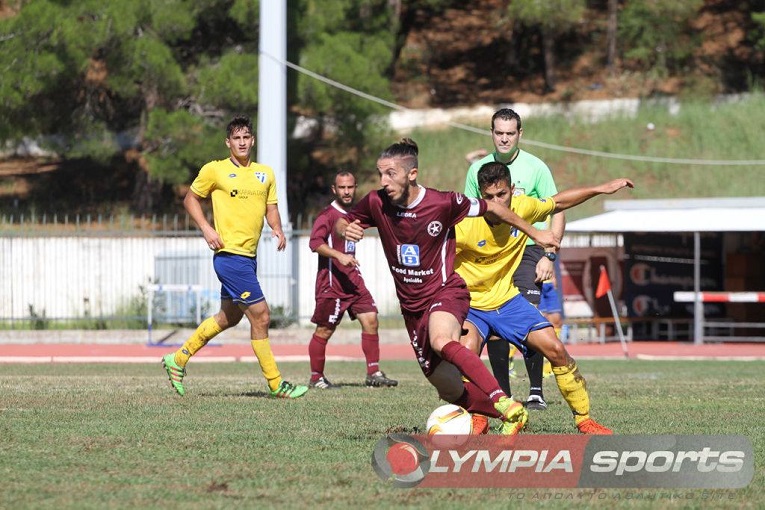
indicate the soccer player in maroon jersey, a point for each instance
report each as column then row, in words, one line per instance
column 340, row 288
column 416, row 228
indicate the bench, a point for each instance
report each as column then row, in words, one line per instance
column 724, row 331
column 590, row 329
column 671, row 328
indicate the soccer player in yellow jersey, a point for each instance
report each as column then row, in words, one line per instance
column 488, row 253
column 243, row 194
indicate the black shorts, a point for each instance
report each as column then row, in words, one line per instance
column 527, row 272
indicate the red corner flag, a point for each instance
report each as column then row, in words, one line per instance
column 604, row 285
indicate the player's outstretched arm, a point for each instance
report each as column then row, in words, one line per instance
column 544, row 238
column 572, row 197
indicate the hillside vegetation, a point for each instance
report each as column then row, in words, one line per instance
column 698, row 131
column 129, row 97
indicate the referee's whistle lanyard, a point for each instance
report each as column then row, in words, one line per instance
column 512, row 157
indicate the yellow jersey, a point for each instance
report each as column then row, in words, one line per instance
column 487, row 256
column 239, row 198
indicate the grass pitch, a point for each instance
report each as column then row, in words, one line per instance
column 117, row 436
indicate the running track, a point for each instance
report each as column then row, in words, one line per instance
column 220, row 352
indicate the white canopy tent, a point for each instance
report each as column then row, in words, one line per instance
column 744, row 214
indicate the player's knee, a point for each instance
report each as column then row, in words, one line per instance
column 473, row 344
column 437, row 343
column 259, row 318
column 324, row 332
column 371, row 325
column 263, row 319
column 557, row 354
column 227, row 320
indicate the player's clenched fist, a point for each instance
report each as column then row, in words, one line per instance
column 354, row 232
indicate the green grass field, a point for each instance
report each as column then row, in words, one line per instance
column 116, row 436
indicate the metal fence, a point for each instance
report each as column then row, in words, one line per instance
column 97, row 273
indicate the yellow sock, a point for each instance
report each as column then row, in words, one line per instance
column 267, row 363
column 204, row 333
column 573, row 387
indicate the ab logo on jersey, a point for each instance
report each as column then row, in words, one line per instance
column 409, row 255
column 260, row 176
column 350, row 246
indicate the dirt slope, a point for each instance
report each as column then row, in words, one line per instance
column 468, row 55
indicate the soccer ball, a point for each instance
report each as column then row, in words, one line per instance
column 449, row 419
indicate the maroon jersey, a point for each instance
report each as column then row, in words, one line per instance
column 418, row 240
column 334, row 280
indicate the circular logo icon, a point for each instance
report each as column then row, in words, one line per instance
column 641, row 305
column 640, row 274
column 435, row 228
column 401, row 460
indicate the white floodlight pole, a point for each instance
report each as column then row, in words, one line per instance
column 272, row 97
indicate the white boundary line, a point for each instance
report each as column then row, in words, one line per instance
column 156, row 359
column 652, row 357
column 302, row 358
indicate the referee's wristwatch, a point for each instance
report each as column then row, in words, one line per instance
column 550, row 255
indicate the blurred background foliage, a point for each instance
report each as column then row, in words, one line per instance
column 128, row 98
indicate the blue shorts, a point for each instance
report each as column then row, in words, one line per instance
column 512, row 322
column 238, row 276
column 550, row 302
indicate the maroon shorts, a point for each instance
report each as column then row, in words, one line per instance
column 452, row 299
column 329, row 311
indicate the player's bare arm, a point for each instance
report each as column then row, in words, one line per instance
column 543, row 238
column 545, row 267
column 344, row 259
column 575, row 196
column 193, row 205
column 350, row 231
column 274, row 220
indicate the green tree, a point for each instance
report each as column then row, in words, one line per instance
column 758, row 35
column 88, row 75
column 657, row 34
column 554, row 18
column 351, row 42
column 612, row 28
column 152, row 82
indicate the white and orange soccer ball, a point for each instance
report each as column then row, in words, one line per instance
column 449, row 419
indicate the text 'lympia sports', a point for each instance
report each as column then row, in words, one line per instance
column 720, row 462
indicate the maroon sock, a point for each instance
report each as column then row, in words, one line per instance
column 473, row 368
column 370, row 344
column 316, row 353
column 476, row 401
